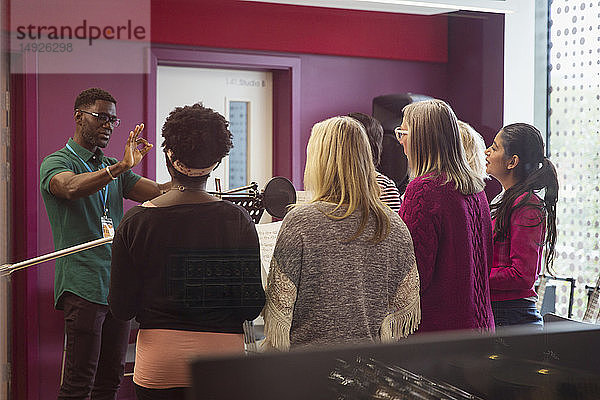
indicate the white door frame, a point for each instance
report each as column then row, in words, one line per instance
column 286, row 128
column 216, row 88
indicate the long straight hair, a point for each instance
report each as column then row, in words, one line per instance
column 534, row 172
column 434, row 145
column 339, row 169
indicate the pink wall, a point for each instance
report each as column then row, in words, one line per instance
column 329, row 85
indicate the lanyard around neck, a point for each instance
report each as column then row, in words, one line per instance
column 104, row 191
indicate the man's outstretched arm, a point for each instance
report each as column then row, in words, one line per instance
column 71, row 186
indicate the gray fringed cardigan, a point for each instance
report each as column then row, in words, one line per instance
column 322, row 290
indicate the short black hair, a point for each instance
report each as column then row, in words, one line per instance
column 197, row 136
column 89, row 96
column 374, row 133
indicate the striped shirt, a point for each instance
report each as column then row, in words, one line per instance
column 389, row 192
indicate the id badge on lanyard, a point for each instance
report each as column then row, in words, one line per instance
column 108, row 228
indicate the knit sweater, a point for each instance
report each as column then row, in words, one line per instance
column 517, row 260
column 452, row 236
column 323, row 289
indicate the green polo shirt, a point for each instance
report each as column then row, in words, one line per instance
column 87, row 273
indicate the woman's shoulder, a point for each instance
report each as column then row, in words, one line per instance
column 428, row 188
column 431, row 181
column 308, row 211
column 528, row 197
column 384, row 180
column 527, row 208
column 229, row 207
column 218, row 207
column 397, row 224
column 300, row 219
column 135, row 212
column 135, row 218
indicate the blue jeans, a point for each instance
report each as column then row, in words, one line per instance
column 516, row 312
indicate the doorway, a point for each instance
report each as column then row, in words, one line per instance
column 243, row 97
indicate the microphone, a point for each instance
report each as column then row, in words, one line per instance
column 277, row 195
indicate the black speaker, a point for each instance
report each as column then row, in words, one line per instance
column 388, row 110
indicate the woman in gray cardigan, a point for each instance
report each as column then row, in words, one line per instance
column 343, row 268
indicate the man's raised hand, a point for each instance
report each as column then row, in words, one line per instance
column 136, row 147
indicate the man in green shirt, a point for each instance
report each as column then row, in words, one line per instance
column 83, row 191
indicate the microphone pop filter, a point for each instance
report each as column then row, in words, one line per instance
column 278, row 195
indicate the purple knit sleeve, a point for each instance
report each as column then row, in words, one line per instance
column 416, row 211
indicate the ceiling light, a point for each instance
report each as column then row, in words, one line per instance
column 405, row 6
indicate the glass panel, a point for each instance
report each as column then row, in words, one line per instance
column 574, row 142
column 238, row 156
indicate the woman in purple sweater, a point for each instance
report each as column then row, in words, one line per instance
column 448, row 216
column 516, row 159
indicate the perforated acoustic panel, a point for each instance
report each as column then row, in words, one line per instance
column 575, row 143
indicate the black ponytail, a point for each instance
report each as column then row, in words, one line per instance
column 534, row 172
column 550, row 200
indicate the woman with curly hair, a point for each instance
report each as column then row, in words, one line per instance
column 524, row 223
column 186, row 264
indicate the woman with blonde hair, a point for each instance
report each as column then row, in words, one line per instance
column 474, row 147
column 343, row 268
column 448, row 216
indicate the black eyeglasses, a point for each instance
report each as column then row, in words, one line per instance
column 104, row 118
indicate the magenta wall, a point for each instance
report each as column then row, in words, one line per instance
column 55, row 105
column 330, row 85
column 42, row 124
column 339, row 85
column 235, row 24
column 471, row 81
column 476, row 74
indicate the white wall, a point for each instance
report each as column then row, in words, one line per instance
column 519, row 62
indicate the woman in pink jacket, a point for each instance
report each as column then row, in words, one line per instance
column 524, row 224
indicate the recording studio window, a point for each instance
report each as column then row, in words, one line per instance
column 238, row 156
column 574, row 143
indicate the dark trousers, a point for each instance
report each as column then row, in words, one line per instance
column 178, row 393
column 95, row 352
column 516, row 312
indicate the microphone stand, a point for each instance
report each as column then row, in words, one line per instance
column 252, row 189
